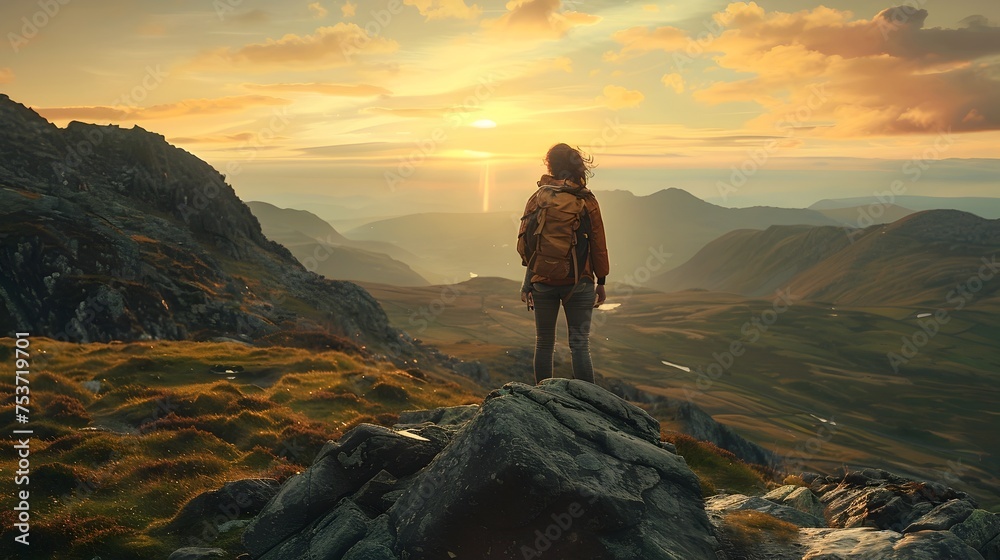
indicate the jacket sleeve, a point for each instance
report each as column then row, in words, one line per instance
column 598, row 244
column 521, row 229
column 528, row 207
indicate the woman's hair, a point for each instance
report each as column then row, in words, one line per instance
column 565, row 162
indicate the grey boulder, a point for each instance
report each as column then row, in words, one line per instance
column 564, row 469
column 866, row 543
column 196, row 553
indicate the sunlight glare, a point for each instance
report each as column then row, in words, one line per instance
column 484, row 123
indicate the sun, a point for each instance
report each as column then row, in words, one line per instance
column 484, row 123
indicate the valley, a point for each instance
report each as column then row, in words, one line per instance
column 813, row 382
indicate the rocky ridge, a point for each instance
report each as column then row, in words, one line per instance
column 566, row 469
column 113, row 234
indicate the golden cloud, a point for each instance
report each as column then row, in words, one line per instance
column 563, row 63
column 334, row 45
column 317, row 10
column 152, row 29
column 445, row 9
column 674, row 81
column 6, row 75
column 409, row 112
column 348, row 10
column 183, row 108
column 538, row 19
column 241, row 137
column 336, row 90
column 640, row 40
column 822, row 69
column 617, row 97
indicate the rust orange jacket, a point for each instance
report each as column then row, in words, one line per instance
column 597, row 262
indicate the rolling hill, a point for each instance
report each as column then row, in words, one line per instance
column 321, row 249
column 922, row 259
column 754, row 262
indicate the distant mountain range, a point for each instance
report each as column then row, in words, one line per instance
column 647, row 235
column 322, row 249
column 920, row 259
column 672, row 240
column 455, row 246
column 984, row 207
column 864, row 216
column 680, row 223
column 110, row 233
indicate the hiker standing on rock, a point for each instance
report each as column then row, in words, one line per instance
column 561, row 242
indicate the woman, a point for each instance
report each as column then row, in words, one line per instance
column 583, row 290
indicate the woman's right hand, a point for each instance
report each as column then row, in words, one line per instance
column 526, row 298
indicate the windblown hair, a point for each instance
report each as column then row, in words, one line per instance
column 565, row 162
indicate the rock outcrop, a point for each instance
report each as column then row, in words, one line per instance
column 200, row 519
column 113, row 234
column 870, row 515
column 559, row 470
column 566, row 469
column 880, row 499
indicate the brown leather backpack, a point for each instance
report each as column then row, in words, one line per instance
column 554, row 241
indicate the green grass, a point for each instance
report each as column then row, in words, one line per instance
column 108, row 469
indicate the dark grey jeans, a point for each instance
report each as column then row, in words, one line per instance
column 579, row 309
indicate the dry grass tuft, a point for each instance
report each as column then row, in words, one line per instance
column 717, row 469
column 794, row 480
column 744, row 530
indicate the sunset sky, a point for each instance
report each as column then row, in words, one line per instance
column 451, row 103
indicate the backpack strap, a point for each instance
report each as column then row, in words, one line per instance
column 576, row 262
column 576, row 276
column 542, row 213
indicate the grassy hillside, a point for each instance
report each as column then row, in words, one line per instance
column 811, row 367
column 926, row 258
column 917, row 260
column 754, row 262
column 110, row 467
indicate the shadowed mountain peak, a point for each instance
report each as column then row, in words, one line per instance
column 117, row 234
column 914, row 260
